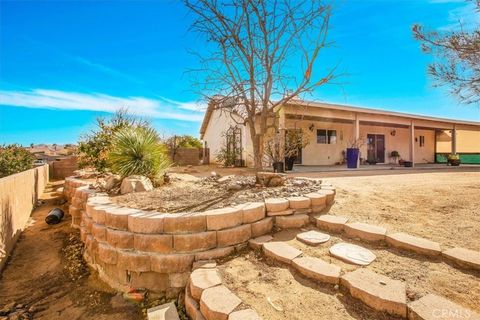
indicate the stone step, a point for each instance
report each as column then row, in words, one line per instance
column 433, row 307
column 166, row 311
column 463, row 257
column 218, row 302
column 202, row 279
column 411, row 243
column 257, row 243
column 313, row 237
column 377, row 291
column 280, row 251
column 331, row 223
column 352, row 253
column 317, row 269
column 365, row 231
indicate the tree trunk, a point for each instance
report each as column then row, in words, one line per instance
column 257, row 142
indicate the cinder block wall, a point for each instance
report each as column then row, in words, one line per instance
column 187, row 156
column 132, row 248
column 64, row 167
column 18, row 195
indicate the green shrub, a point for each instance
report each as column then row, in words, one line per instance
column 94, row 147
column 13, row 159
column 138, row 151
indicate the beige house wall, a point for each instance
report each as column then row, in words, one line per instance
column 467, row 141
column 18, row 196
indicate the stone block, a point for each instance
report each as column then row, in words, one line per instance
column 154, row 281
column 133, row 261
column 317, row 269
column 463, row 257
column 280, row 251
column 433, row 307
column 257, row 243
column 191, row 305
column 262, row 227
column 253, row 211
column 213, row 254
column 117, row 217
column 106, row 253
column 208, row 264
column 234, row 235
column 365, row 231
column 276, row 204
column 195, row 241
column 171, row 263
column 178, row 280
column 299, row 202
column 97, row 213
column 202, row 279
column 377, row 291
column 146, row 222
column 184, row 223
column 167, row 311
column 317, row 199
column 330, row 194
column 99, row 232
column 331, row 223
column 292, row 221
column 159, row 243
column 223, row 218
column 415, row 244
column 280, row 213
column 119, row 239
column 218, row 302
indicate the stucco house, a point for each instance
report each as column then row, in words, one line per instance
column 332, row 127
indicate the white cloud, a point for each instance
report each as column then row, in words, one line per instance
column 55, row 99
column 465, row 16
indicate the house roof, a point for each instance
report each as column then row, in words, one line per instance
column 211, row 108
column 379, row 111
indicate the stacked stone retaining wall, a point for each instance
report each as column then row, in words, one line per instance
column 132, row 248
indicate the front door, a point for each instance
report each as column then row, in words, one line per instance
column 376, row 148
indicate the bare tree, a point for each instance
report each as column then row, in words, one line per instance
column 457, row 62
column 260, row 54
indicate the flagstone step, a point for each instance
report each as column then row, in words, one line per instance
column 167, row 311
column 377, row 291
column 313, row 237
column 463, row 257
column 280, row 251
column 218, row 302
column 416, row 244
column 257, row 243
column 317, row 269
column 433, row 307
column 365, row 231
column 202, row 279
column 352, row 253
column 331, row 223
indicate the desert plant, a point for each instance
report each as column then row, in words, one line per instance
column 138, row 151
column 294, row 141
column 13, row 159
column 225, row 156
column 94, row 147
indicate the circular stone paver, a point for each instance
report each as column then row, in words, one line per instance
column 313, row 237
column 352, row 253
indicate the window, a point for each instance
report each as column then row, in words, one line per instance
column 422, row 141
column 326, row 136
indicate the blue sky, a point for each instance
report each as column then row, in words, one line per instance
column 63, row 63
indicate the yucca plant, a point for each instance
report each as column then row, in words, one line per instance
column 138, row 151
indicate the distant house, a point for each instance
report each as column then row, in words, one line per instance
column 331, row 127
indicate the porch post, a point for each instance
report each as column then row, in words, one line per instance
column 454, row 139
column 357, row 135
column 412, row 143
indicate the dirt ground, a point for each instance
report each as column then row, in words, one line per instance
column 442, row 206
column 46, row 277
